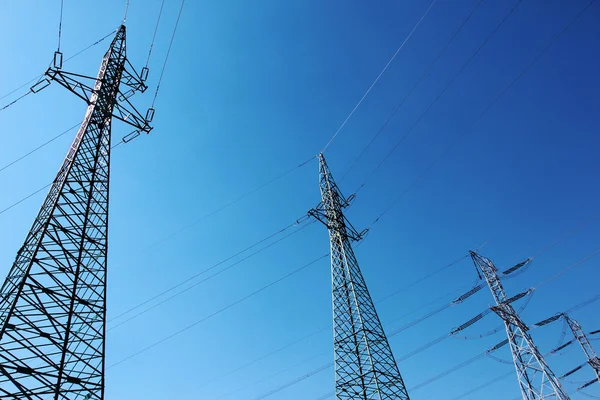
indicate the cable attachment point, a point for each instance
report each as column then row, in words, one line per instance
column 126, row 95
column 149, row 115
column 144, row 74
column 43, row 84
column 58, row 60
column 131, row 136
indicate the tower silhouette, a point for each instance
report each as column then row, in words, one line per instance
column 53, row 302
column 365, row 367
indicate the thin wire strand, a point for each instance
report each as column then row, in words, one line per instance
column 488, row 107
column 460, row 71
column 162, row 4
column 385, row 124
column 193, row 277
column 60, row 24
column 126, row 11
column 190, row 326
column 15, row 101
column 378, row 77
column 39, row 147
column 162, row 71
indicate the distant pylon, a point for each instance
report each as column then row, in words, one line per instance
column 592, row 358
column 53, row 302
column 536, row 379
column 365, row 367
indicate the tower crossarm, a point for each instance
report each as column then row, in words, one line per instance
column 121, row 107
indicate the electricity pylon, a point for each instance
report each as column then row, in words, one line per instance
column 592, row 358
column 536, row 379
column 365, row 367
column 53, row 302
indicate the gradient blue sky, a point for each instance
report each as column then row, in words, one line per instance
column 252, row 89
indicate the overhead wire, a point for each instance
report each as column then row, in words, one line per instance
column 391, row 334
column 39, row 147
column 60, row 24
column 487, row 108
column 422, row 348
column 457, row 367
column 391, row 116
column 162, row 71
column 38, row 77
column 422, row 306
column 162, row 5
column 377, row 78
column 190, row 326
column 505, row 275
column 440, row 94
column 179, row 284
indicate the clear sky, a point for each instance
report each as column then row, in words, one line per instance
column 254, row 88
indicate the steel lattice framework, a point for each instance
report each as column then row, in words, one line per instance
column 365, row 367
column 592, row 358
column 536, row 379
column 53, row 302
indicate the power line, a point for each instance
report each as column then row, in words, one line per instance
column 411, row 324
column 460, row 71
column 385, row 124
column 38, row 77
column 39, row 147
column 377, row 79
column 488, row 107
column 162, row 5
column 406, row 287
column 205, row 279
column 190, row 326
column 60, row 25
column 162, row 71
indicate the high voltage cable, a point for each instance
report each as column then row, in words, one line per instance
column 460, row 71
column 190, row 326
column 310, row 335
column 42, row 75
column 162, row 5
column 162, row 71
column 203, row 280
column 392, row 334
column 378, row 77
column 395, row 332
column 37, row 191
column 545, row 249
column 60, row 24
column 459, row 366
column 488, row 107
column 39, row 147
column 385, row 124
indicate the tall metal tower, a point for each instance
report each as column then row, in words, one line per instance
column 592, row 358
column 365, row 367
column 536, row 379
column 53, row 302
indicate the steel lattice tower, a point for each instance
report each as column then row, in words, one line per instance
column 536, row 379
column 53, row 302
column 365, row 367
column 592, row 358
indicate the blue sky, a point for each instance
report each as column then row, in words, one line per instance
column 253, row 89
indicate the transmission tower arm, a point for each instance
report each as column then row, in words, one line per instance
column 123, row 109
